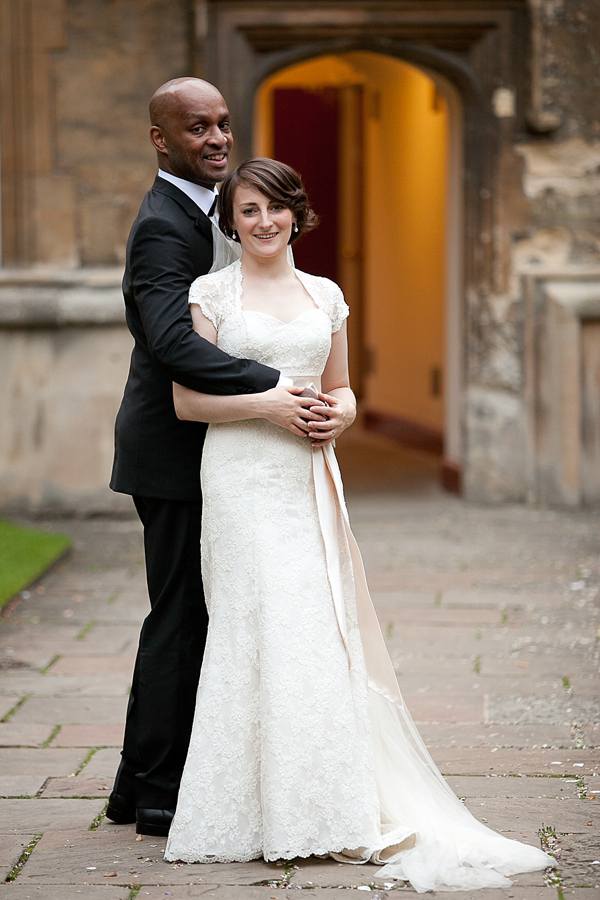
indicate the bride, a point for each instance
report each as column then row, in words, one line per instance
column 301, row 742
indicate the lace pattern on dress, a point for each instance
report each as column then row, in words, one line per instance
column 219, row 294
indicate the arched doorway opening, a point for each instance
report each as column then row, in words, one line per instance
column 378, row 142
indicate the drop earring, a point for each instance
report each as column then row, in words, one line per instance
column 234, row 235
column 295, row 228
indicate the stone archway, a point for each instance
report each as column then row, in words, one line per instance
column 480, row 50
column 392, row 136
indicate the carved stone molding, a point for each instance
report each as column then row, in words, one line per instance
column 539, row 118
column 54, row 299
column 457, row 37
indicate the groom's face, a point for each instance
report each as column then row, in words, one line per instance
column 194, row 138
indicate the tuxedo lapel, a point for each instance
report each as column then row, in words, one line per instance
column 201, row 220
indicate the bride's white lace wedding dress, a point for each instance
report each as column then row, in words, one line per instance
column 301, row 743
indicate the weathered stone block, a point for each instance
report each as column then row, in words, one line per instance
column 104, row 763
column 62, row 892
column 485, row 761
column 17, row 816
column 526, row 816
column 539, row 788
column 74, row 710
column 20, row 785
column 25, row 761
column 15, row 735
column 94, row 665
column 495, row 447
column 11, row 848
column 89, row 736
column 78, row 787
column 56, row 686
column 86, row 857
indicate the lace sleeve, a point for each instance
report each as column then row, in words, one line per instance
column 339, row 309
column 203, row 291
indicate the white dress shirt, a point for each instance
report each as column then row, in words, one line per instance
column 204, row 198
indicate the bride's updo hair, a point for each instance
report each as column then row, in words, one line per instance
column 277, row 182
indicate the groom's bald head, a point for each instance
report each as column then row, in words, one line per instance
column 190, row 130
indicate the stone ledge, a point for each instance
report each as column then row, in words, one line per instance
column 39, row 298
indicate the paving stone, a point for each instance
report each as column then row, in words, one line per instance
column 463, row 735
column 11, row 849
column 89, row 736
column 444, row 569
column 73, row 710
column 117, row 579
column 577, row 855
column 37, row 816
column 467, row 684
column 20, row 785
column 329, row 873
column 27, row 656
column 38, row 655
column 432, row 707
column 132, row 613
column 17, row 735
column 494, row 599
column 16, row 891
column 528, row 815
column 94, row 665
column 106, row 639
column 484, row 761
column 103, row 764
column 6, row 704
column 26, row 761
column 35, row 633
column 418, row 579
column 78, row 787
column 538, row 892
column 236, row 892
column 38, row 685
column 65, row 858
column 561, row 710
column 514, row 787
column 232, row 892
column 440, row 616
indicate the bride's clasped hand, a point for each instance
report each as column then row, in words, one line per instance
column 301, row 741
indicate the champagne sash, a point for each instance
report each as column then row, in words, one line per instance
column 330, row 499
column 330, row 504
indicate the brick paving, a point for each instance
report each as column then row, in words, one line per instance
column 492, row 618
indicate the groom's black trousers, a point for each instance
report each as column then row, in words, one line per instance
column 167, row 668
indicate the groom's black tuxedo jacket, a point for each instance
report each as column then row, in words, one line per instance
column 170, row 245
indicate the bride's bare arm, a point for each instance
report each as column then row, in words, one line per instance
column 336, row 391
column 281, row 405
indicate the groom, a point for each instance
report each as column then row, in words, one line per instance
column 157, row 457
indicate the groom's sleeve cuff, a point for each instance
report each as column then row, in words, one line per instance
column 285, row 381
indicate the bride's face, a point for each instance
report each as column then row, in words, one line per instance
column 264, row 226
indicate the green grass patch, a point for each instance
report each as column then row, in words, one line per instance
column 25, row 553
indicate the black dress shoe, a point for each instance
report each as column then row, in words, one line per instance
column 153, row 821
column 121, row 809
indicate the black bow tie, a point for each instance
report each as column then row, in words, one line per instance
column 211, row 211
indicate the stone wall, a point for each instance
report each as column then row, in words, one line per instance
column 75, row 79
column 547, row 227
column 64, row 356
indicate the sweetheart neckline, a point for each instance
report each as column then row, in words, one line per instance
column 277, row 319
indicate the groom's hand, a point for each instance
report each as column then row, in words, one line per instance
column 284, row 407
